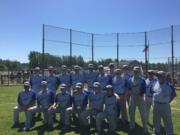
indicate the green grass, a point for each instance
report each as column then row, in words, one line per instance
column 8, row 101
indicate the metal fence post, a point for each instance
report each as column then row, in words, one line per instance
column 43, row 38
column 146, row 61
column 92, row 48
column 172, row 51
column 70, row 47
column 117, row 49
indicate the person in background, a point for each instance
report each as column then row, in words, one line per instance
column 77, row 76
column 52, row 80
column 65, row 78
column 103, row 78
column 90, row 77
column 35, row 80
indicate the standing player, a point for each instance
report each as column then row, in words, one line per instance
column 65, row 78
column 137, row 88
column 26, row 99
column 103, row 78
column 126, row 76
column 77, row 76
column 52, row 80
column 150, row 82
column 162, row 108
column 90, row 77
column 120, row 86
column 35, row 80
column 111, row 70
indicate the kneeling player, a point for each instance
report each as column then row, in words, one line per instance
column 63, row 101
column 45, row 99
column 96, row 101
column 80, row 100
column 110, row 112
column 26, row 99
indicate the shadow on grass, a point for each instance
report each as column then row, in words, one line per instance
column 138, row 130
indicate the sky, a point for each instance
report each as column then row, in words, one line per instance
column 21, row 26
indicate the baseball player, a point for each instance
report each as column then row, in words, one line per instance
column 150, row 82
column 90, row 77
column 162, row 109
column 120, row 86
column 103, row 78
column 96, row 102
column 65, row 78
column 35, row 80
column 126, row 75
column 80, row 100
column 110, row 111
column 63, row 101
column 26, row 99
column 137, row 88
column 77, row 76
column 45, row 99
column 111, row 70
column 52, row 80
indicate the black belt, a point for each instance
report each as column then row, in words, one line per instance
column 156, row 102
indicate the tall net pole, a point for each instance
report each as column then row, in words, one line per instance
column 43, row 64
column 92, row 47
column 172, row 51
column 70, row 47
column 146, row 60
column 117, row 49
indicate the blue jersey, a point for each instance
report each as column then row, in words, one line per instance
column 150, row 87
column 111, row 75
column 126, row 77
column 53, row 83
column 45, row 99
column 110, row 105
column 35, row 82
column 77, row 78
column 163, row 93
column 97, row 101
column 119, row 85
column 90, row 78
column 173, row 92
column 25, row 98
column 64, row 100
column 80, row 100
column 104, row 80
column 65, row 79
column 137, row 86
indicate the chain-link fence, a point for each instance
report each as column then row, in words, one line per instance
column 154, row 46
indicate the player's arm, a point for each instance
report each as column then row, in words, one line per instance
column 52, row 99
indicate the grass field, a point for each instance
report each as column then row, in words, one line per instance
column 8, row 101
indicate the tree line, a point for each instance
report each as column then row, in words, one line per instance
column 35, row 59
